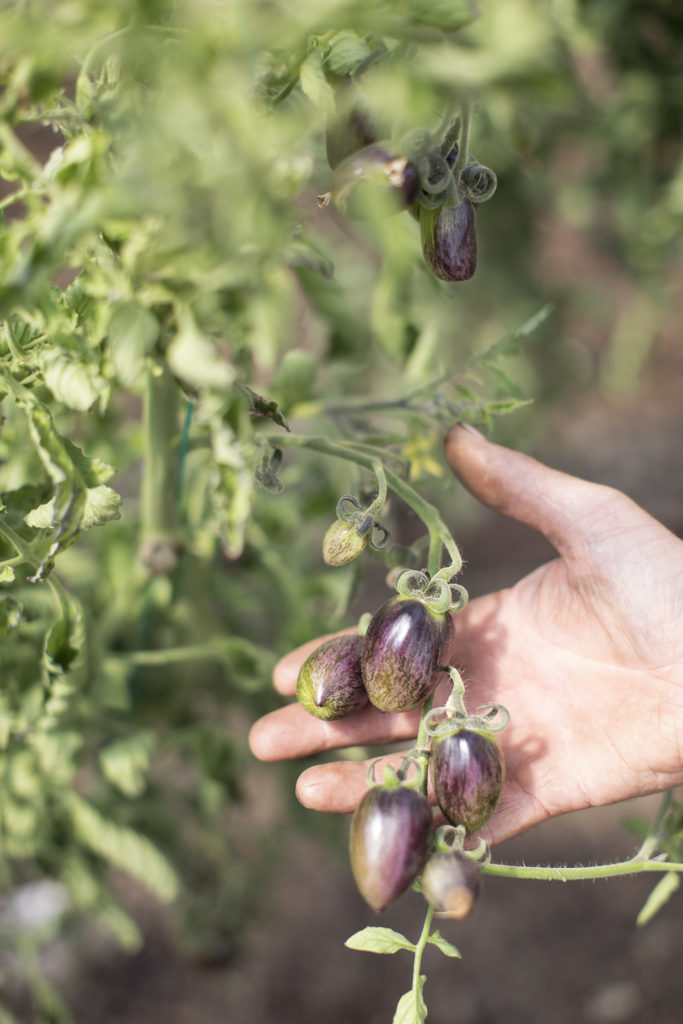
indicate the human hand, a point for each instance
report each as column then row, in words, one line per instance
column 585, row 652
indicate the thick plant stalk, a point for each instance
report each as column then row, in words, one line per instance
column 159, row 535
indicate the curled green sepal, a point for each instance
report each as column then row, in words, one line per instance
column 393, row 778
column 478, row 183
column 357, row 526
column 436, row 591
column 454, row 716
column 452, row 837
column 445, row 721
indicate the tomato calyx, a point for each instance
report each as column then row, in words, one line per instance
column 436, row 592
column 453, row 716
column 353, row 530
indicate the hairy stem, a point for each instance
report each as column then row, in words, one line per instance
column 419, row 948
column 577, row 874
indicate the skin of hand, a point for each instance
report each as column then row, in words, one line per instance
column 586, row 653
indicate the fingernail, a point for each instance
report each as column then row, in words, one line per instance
column 470, row 429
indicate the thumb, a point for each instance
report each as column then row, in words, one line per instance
column 568, row 511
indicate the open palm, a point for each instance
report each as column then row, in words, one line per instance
column 586, row 653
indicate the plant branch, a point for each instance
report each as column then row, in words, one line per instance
column 577, row 874
column 438, row 531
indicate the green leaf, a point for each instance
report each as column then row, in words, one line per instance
column 295, row 378
column 448, row 15
column 7, row 574
column 664, row 889
column 638, row 826
column 447, row 948
column 6, row 1017
column 120, row 926
column 93, row 470
column 131, row 336
column 102, row 505
column 510, row 343
column 232, row 489
column 123, row 848
column 62, row 642
column 346, row 50
column 379, row 940
column 78, row 385
column 412, row 1008
column 313, row 83
column 126, row 762
column 193, row 357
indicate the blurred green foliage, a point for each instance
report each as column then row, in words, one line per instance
column 172, row 296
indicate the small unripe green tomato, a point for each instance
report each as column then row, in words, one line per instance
column 343, row 542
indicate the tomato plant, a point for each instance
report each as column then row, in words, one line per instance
column 201, row 349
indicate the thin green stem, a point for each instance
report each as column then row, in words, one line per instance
column 434, row 556
column 651, row 841
column 212, row 650
column 182, row 454
column 419, row 949
column 424, row 509
column 29, row 557
column 379, row 502
column 97, row 47
column 422, row 744
column 577, row 874
column 13, row 197
column 463, row 141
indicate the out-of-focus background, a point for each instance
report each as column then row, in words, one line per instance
column 166, row 276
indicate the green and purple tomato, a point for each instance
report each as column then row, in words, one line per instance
column 344, row 541
column 449, row 241
column 330, row 683
column 450, row 882
column 467, row 775
column 391, row 835
column 403, row 649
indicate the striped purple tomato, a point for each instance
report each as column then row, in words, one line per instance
column 402, row 650
column 330, row 684
column 391, row 832
column 467, row 775
column 449, row 241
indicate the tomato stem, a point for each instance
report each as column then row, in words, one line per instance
column 425, row 510
column 159, row 489
column 635, row 866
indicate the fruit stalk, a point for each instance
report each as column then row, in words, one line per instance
column 439, row 534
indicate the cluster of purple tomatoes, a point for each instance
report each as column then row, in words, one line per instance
column 396, row 666
column 421, row 174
